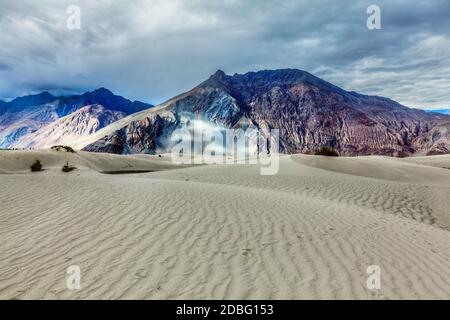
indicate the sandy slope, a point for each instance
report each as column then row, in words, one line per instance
column 224, row 231
column 20, row 161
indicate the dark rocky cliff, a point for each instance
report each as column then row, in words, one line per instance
column 309, row 112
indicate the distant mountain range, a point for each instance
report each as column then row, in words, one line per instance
column 42, row 120
column 443, row 111
column 309, row 112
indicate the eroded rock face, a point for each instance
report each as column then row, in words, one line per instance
column 149, row 135
column 309, row 112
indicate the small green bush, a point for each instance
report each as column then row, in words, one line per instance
column 65, row 148
column 36, row 166
column 67, row 168
column 326, row 151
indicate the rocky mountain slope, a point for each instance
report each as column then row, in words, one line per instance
column 82, row 122
column 309, row 112
column 36, row 120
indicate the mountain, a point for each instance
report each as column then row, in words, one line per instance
column 22, row 119
column 443, row 111
column 3, row 106
column 309, row 112
column 22, row 103
column 83, row 122
column 102, row 97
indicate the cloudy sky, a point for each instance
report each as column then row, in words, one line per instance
column 152, row 50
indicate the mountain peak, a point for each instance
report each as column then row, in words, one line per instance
column 41, row 95
column 219, row 74
column 103, row 97
column 99, row 93
column 218, row 79
column 280, row 77
column 244, row 86
column 102, row 91
column 31, row 100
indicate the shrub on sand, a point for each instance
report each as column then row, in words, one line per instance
column 63, row 148
column 36, row 166
column 67, row 167
column 326, row 151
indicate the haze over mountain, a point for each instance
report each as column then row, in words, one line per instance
column 309, row 112
column 39, row 121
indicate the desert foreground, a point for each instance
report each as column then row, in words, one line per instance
column 223, row 232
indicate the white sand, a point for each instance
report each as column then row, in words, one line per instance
column 224, row 232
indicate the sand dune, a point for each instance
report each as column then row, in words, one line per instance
column 224, row 232
column 20, row 161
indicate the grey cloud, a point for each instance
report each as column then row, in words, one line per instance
column 5, row 67
column 152, row 50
